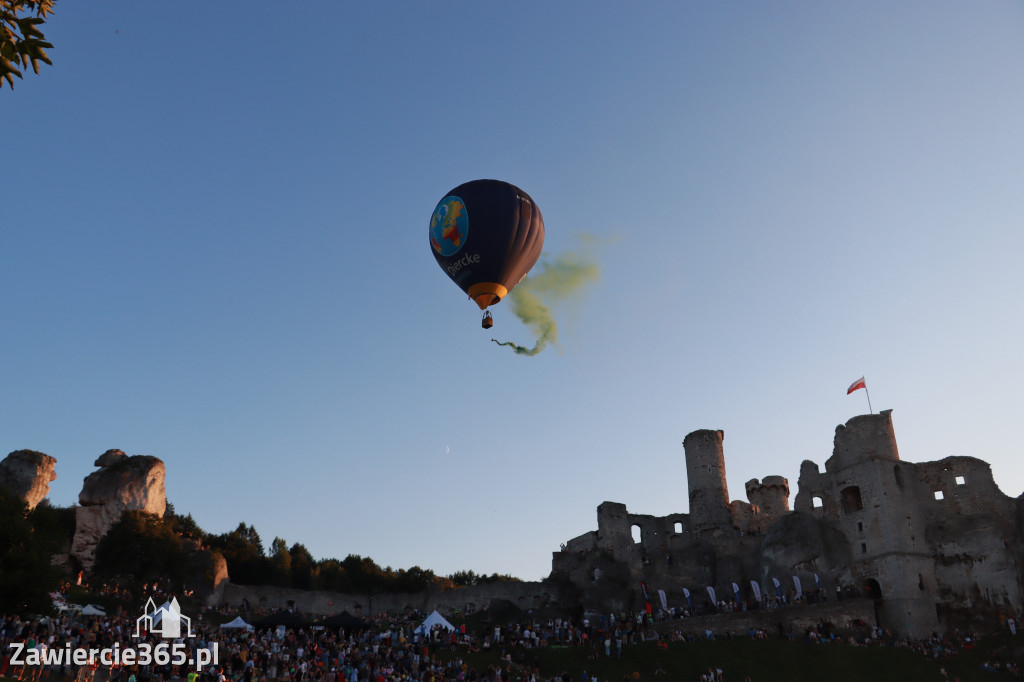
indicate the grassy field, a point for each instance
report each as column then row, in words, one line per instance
column 771, row 660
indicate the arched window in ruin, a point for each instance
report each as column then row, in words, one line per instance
column 898, row 473
column 961, row 480
column 850, row 498
column 637, row 534
column 817, row 502
column 678, row 528
column 872, row 588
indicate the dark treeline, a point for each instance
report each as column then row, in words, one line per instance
column 281, row 565
column 143, row 549
column 28, row 542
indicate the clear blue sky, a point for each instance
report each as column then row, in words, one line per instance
column 214, row 251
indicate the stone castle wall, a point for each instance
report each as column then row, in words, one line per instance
column 796, row 619
column 926, row 539
column 318, row 603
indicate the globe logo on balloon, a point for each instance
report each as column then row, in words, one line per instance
column 449, row 226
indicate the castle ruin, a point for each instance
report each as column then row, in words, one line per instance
column 934, row 544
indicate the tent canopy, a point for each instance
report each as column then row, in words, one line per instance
column 236, row 624
column 288, row 619
column 91, row 610
column 433, row 619
column 342, row 620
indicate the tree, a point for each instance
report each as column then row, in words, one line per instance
column 187, row 527
column 282, row 561
column 21, row 40
column 330, row 576
column 301, row 566
column 28, row 541
column 467, row 578
column 141, row 548
column 414, row 579
column 242, row 548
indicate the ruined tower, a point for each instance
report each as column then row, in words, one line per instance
column 705, row 476
column 770, row 495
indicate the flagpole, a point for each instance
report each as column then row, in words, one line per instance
column 869, row 398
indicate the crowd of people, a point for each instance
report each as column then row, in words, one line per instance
column 386, row 650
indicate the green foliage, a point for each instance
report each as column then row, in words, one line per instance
column 187, row 527
column 21, row 39
column 295, row 566
column 469, row 578
column 364, row 575
column 28, row 540
column 141, row 548
column 57, row 524
column 302, row 567
column 242, row 548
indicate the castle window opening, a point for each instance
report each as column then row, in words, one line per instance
column 860, row 526
column 960, row 480
column 851, row 499
column 637, row 534
column 817, row 502
column 679, row 527
column 939, row 495
column 863, row 548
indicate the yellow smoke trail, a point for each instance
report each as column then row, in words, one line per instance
column 557, row 280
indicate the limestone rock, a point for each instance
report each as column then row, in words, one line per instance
column 28, row 474
column 109, row 458
column 122, row 483
column 208, row 575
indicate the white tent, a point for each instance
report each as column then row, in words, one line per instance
column 91, row 610
column 236, row 624
column 433, row 619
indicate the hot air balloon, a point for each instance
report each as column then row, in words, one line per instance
column 486, row 235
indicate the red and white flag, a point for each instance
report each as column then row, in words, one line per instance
column 859, row 383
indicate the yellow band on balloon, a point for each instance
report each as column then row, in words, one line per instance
column 487, row 293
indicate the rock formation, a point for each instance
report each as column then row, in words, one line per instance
column 122, row 483
column 208, row 573
column 28, row 474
